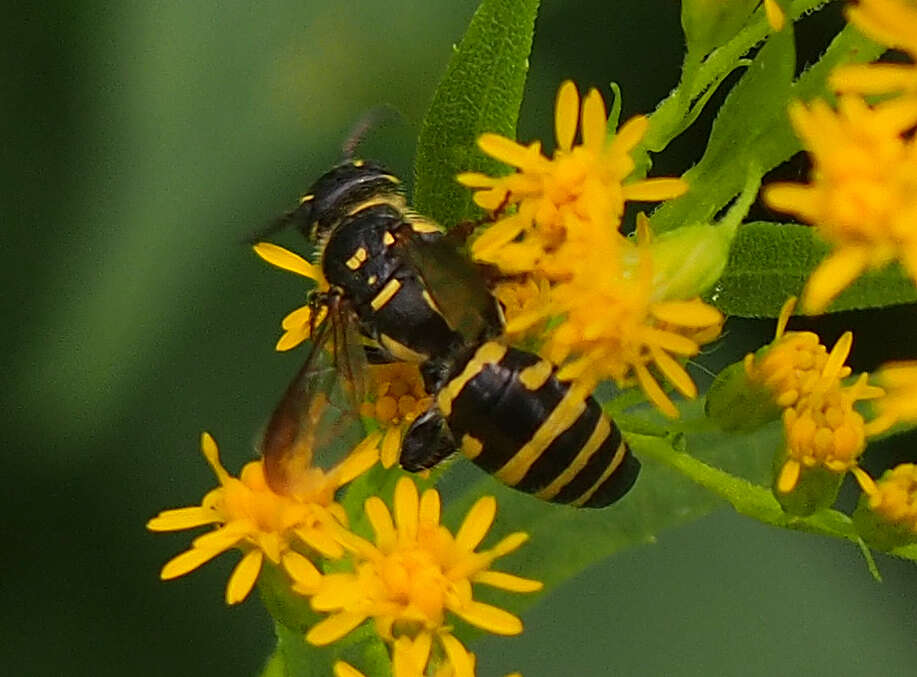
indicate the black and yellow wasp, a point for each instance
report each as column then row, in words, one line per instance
column 400, row 292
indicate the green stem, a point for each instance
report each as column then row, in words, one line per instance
column 667, row 121
column 747, row 498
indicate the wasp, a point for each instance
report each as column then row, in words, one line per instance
column 400, row 291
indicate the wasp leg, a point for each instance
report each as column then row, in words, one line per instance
column 427, row 442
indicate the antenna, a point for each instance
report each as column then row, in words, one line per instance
column 370, row 119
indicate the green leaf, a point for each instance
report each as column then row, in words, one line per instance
column 753, row 115
column 707, row 24
column 480, row 92
column 770, row 262
column 564, row 540
column 752, row 129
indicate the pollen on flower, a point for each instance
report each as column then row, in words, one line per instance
column 895, row 497
column 561, row 204
column 862, row 196
column 396, row 398
column 615, row 327
column 247, row 514
column 892, row 23
column 413, row 573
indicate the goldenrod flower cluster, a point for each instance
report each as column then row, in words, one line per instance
column 895, row 497
column 862, row 194
column 821, row 426
column 406, row 581
column 556, row 233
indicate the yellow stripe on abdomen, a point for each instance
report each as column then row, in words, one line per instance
column 615, row 462
column 598, row 436
column 570, row 408
column 489, row 353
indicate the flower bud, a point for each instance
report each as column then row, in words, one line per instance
column 710, row 23
column 687, row 261
column 816, row 489
column 886, row 517
column 738, row 404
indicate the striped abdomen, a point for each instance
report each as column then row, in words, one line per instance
column 511, row 416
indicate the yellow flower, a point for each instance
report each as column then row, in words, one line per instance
column 397, row 397
column 775, row 14
column 863, row 192
column 565, row 202
column 250, row 516
column 796, row 362
column 412, row 575
column 899, row 404
column 342, row 669
column 615, row 327
column 298, row 324
column 825, row 430
column 892, row 23
column 895, row 497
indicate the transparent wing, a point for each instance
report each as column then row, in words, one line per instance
column 317, row 421
column 455, row 284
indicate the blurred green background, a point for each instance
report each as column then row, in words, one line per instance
column 144, row 141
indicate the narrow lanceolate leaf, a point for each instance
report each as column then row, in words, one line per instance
column 752, row 129
column 746, row 120
column 769, row 262
column 480, row 92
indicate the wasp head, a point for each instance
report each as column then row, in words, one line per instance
column 338, row 192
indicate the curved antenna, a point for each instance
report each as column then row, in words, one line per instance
column 370, row 119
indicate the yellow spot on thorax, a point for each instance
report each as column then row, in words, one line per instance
column 536, row 376
column 388, row 239
column 386, row 293
column 489, row 353
column 358, row 259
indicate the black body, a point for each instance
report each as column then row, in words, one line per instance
column 420, row 301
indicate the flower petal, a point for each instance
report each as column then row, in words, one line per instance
column 832, row 275
column 244, row 576
column 476, row 523
column 653, row 190
column 429, row 509
column 287, row 260
column 182, row 518
column 342, row 669
column 595, row 121
column 490, row 618
column 381, row 520
column 566, row 111
column 334, row 627
column 461, row 661
column 301, row 570
column 187, row 561
column 406, row 505
column 504, row 581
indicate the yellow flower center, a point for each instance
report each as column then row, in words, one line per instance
column 398, row 393
column 825, row 430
